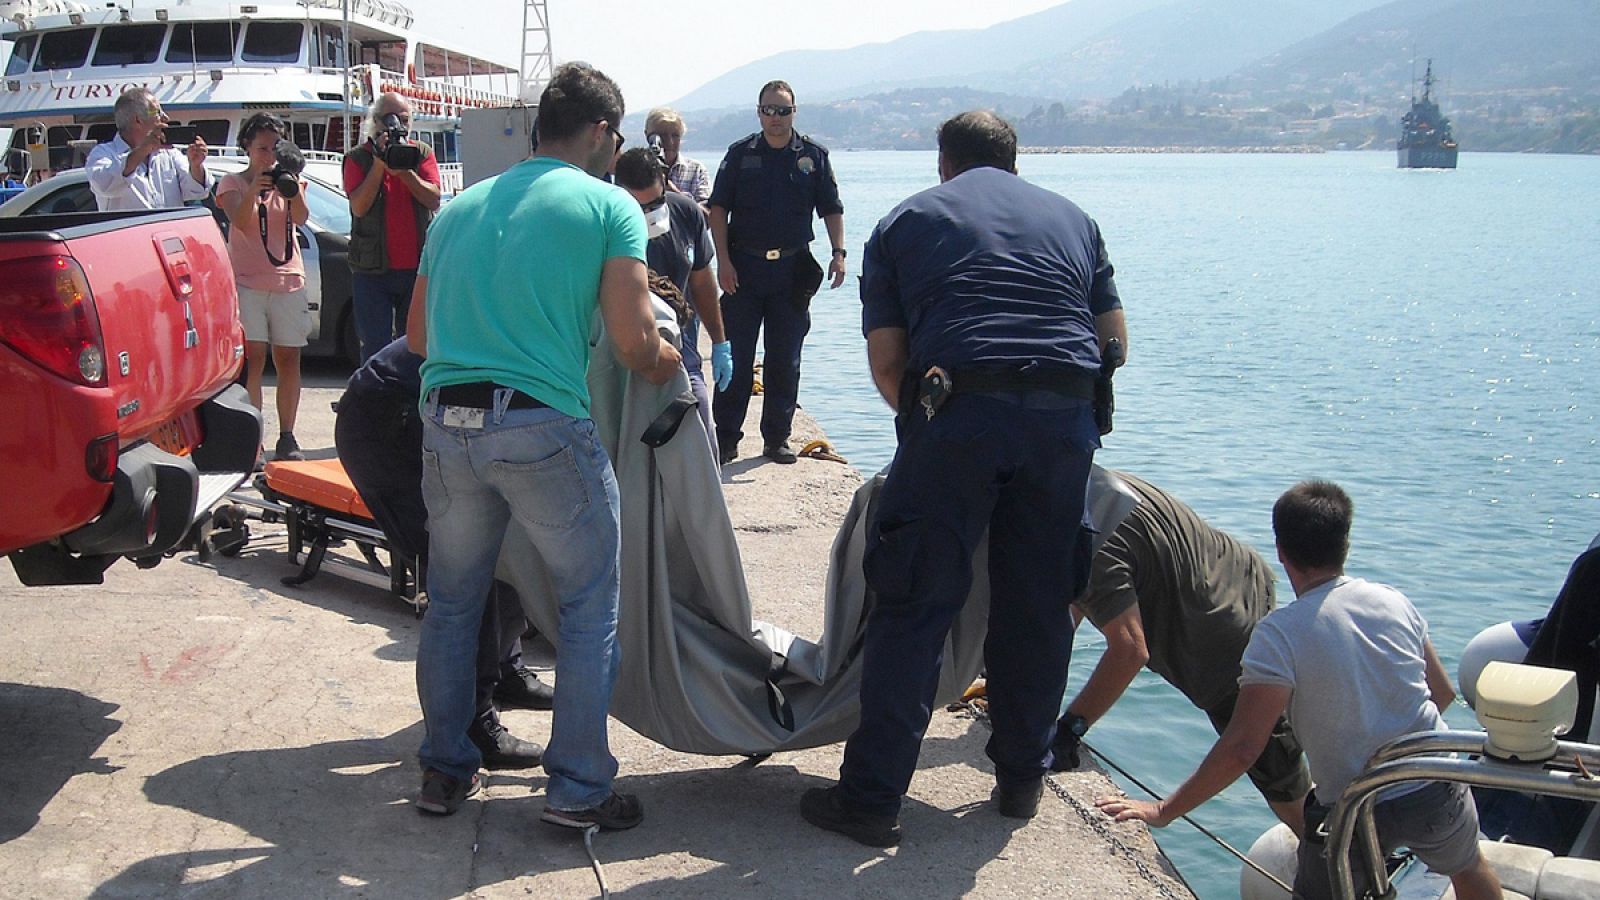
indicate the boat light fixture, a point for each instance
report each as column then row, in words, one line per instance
column 75, row 18
column 161, row 15
column 1523, row 708
column 216, row 75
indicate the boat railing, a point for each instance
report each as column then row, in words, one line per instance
column 429, row 96
column 385, row 11
column 1415, row 757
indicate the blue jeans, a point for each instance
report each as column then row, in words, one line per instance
column 547, row 473
column 379, row 304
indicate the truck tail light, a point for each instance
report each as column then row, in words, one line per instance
column 100, row 458
column 47, row 314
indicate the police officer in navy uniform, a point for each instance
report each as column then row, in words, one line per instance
column 987, row 303
column 766, row 191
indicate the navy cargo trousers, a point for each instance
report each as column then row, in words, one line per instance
column 983, row 464
column 764, row 305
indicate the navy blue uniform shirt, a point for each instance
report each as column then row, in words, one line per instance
column 394, row 370
column 989, row 270
column 770, row 193
column 684, row 249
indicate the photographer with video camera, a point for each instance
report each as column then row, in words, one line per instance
column 263, row 204
column 393, row 185
column 140, row 168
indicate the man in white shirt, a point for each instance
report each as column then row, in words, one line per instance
column 1351, row 663
column 136, row 170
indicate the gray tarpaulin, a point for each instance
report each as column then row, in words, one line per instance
column 699, row 674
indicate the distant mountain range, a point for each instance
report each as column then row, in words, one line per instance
column 1517, row 73
column 1083, row 48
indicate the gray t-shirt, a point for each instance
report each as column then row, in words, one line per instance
column 1352, row 653
column 1199, row 592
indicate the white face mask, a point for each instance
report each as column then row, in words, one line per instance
column 657, row 221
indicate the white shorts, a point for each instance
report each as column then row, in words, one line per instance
column 279, row 319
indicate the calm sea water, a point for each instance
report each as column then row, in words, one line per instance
column 1430, row 340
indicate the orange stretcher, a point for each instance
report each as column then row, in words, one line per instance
column 322, row 509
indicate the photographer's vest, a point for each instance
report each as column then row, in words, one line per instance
column 369, row 235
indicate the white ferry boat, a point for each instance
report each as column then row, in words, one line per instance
column 316, row 63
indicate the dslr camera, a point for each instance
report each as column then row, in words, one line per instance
column 285, row 173
column 398, row 153
column 658, row 153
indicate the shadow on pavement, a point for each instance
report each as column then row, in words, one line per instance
column 47, row 737
column 339, row 822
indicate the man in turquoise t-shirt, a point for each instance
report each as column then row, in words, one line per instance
column 510, row 278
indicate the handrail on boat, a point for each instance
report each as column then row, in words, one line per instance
column 1411, row 758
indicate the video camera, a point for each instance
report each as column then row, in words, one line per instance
column 285, row 173
column 399, row 154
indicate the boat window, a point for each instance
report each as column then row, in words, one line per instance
column 214, row 131
column 22, row 54
column 203, row 42
column 126, row 45
column 272, row 42
column 101, row 133
column 63, row 49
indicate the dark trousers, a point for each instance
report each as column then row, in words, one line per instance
column 980, row 465
column 379, row 304
column 764, row 305
column 379, row 440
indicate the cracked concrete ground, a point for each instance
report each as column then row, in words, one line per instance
column 201, row 730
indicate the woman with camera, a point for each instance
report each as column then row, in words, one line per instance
column 263, row 204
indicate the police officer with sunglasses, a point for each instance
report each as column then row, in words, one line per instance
column 767, row 189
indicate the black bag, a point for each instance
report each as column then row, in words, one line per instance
column 807, row 279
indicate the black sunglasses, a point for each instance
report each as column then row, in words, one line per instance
column 768, row 109
column 614, row 132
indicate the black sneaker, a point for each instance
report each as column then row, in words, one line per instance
column 780, row 453
column 618, row 812
column 501, row 749
column 727, row 453
column 1019, row 800
column 288, row 448
column 443, row 794
column 822, row 808
column 522, row 689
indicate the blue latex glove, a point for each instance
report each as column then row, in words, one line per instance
column 722, row 364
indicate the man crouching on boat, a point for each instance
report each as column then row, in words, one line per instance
column 1352, row 664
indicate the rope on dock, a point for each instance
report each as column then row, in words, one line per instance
column 594, row 861
column 822, row 450
column 1099, row 822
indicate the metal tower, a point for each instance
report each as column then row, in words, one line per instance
column 537, row 62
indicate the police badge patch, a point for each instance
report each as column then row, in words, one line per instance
column 805, row 165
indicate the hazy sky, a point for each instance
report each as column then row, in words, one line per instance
column 658, row 52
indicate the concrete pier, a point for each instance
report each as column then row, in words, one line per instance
column 201, row 730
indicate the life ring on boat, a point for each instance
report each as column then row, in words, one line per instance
column 411, row 73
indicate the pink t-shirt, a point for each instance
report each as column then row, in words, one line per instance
column 251, row 266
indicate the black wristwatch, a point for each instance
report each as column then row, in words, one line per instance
column 1076, row 725
column 840, row 252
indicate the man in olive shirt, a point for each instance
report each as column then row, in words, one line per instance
column 1172, row 593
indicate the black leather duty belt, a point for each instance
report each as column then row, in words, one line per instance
column 480, row 395
column 769, row 255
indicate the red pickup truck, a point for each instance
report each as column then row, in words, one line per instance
column 120, row 424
